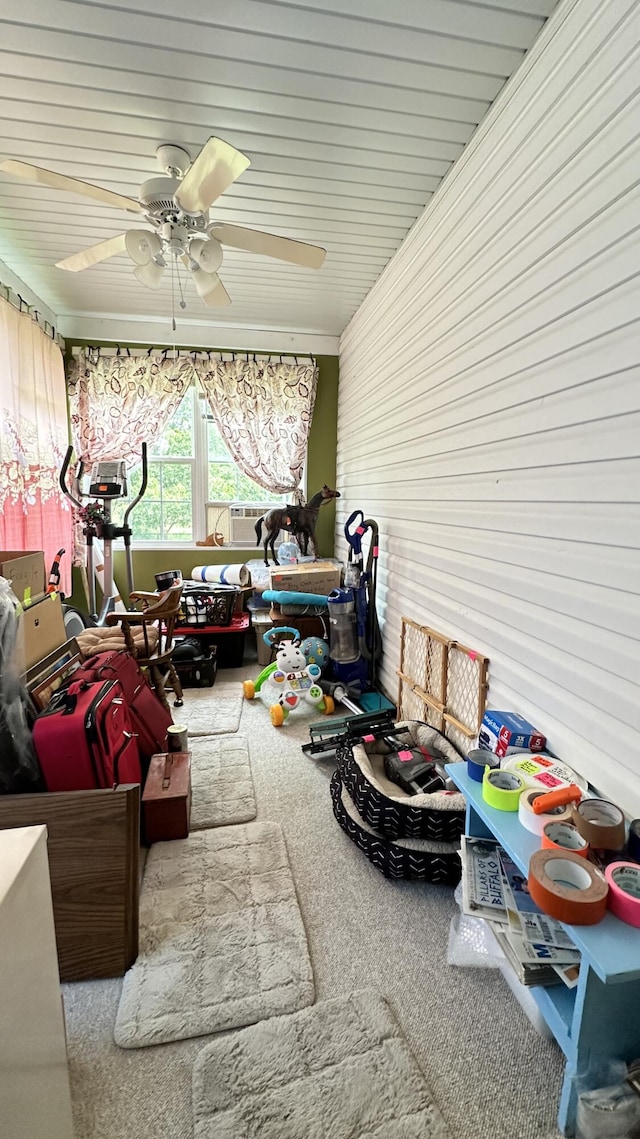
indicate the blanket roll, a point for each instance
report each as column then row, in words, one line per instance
column 225, row 575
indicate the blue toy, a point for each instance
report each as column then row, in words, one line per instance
column 291, row 679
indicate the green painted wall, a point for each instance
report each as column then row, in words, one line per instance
column 321, row 468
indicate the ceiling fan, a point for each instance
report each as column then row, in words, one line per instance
column 176, row 206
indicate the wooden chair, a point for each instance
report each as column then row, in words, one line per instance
column 159, row 613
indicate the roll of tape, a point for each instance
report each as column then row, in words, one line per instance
column 570, row 793
column 502, row 789
column 600, row 822
column 477, row 760
column 623, row 879
column 567, row 887
column 633, row 842
column 564, row 836
column 543, row 771
column 536, row 823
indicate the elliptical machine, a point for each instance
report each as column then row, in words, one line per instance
column 107, row 481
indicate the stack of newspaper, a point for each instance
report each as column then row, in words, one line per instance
column 535, row 945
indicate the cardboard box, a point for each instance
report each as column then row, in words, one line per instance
column 507, row 733
column 25, row 570
column 42, row 629
column 308, row 577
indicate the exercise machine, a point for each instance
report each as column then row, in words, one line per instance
column 107, row 481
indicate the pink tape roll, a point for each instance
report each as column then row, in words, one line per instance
column 624, row 891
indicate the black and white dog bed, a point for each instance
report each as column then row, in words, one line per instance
column 404, row 836
column 418, row 858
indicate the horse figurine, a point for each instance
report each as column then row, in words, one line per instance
column 298, row 520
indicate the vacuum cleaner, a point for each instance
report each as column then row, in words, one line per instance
column 355, row 643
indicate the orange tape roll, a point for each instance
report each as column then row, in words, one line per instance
column 564, row 836
column 567, row 887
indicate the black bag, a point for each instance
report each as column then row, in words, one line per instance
column 187, row 648
column 196, row 667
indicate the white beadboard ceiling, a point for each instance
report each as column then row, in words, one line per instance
column 351, row 111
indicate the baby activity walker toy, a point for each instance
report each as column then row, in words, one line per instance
column 290, row 680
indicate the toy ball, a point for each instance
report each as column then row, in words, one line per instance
column 316, row 651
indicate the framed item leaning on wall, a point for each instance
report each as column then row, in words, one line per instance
column 49, row 674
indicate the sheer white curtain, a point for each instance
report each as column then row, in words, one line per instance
column 263, row 410
column 34, row 514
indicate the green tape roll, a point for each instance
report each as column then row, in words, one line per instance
column 502, row 789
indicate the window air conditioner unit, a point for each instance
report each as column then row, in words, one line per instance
column 243, row 518
column 236, row 522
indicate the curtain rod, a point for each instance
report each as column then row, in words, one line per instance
column 114, row 349
column 145, row 346
column 19, row 302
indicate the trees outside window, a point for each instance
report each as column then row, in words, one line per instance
column 188, row 466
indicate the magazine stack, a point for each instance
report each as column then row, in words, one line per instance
column 537, row 947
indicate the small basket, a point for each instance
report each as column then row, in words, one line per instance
column 214, row 606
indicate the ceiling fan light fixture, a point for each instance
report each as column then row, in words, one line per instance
column 205, row 283
column 207, row 254
column 150, row 274
column 142, row 245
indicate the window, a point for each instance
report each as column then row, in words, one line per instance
column 187, row 467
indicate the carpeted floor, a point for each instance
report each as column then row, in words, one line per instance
column 488, row 1070
column 340, row 1069
column 222, row 943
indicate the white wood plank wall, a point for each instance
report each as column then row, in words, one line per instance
column 489, row 405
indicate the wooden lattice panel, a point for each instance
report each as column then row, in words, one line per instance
column 441, row 682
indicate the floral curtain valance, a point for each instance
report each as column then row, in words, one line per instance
column 263, row 410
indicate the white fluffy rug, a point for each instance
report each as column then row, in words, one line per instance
column 222, row 942
column 221, row 782
column 210, row 711
column 339, row 1070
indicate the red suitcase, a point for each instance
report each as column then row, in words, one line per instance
column 84, row 739
column 149, row 717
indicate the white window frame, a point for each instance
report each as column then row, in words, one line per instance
column 199, row 463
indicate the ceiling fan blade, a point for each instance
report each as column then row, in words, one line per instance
column 217, row 297
column 74, row 185
column 211, row 173
column 94, row 254
column 257, row 241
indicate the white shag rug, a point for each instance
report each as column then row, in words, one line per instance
column 221, row 782
column 222, row 943
column 206, row 712
column 339, row 1070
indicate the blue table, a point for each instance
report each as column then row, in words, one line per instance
column 599, row 1020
